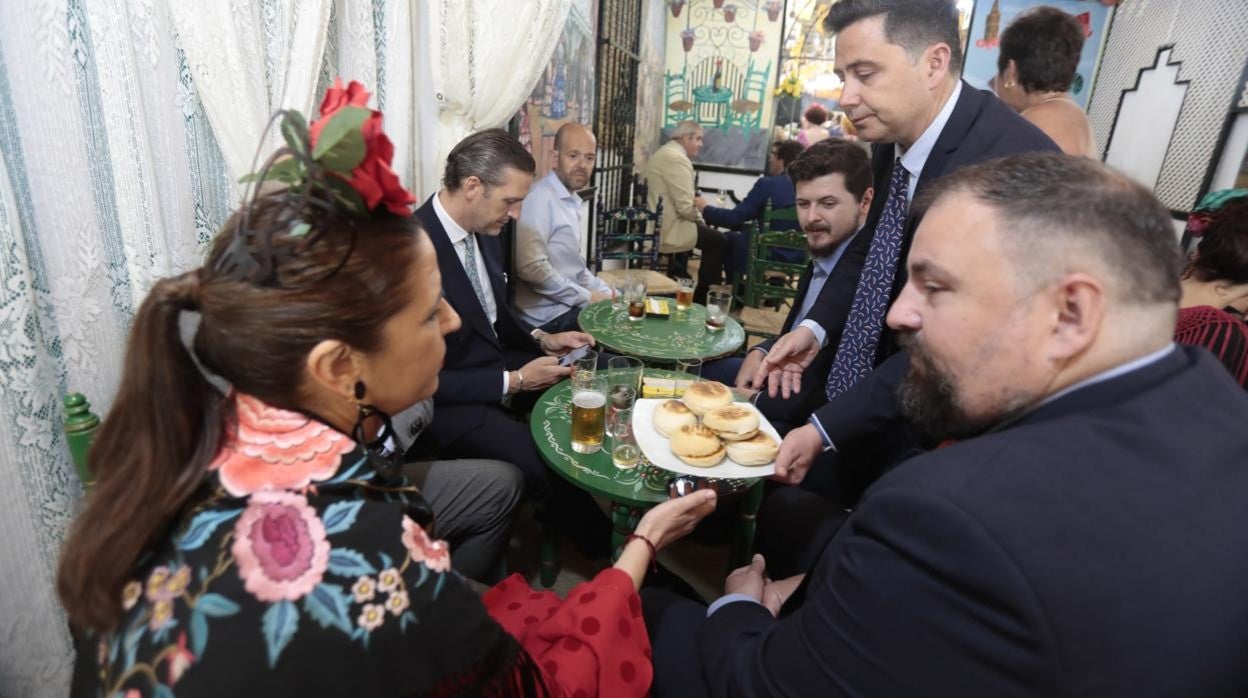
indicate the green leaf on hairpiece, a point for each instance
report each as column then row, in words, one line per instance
column 340, row 147
column 299, row 229
column 288, row 170
column 295, row 130
column 346, row 195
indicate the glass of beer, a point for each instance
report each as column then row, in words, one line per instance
column 684, row 293
column 718, row 303
column 589, row 415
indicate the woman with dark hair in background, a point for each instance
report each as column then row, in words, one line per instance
column 1215, row 283
column 259, row 542
column 1036, row 63
column 812, row 126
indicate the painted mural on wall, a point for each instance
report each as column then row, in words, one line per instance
column 721, row 62
column 565, row 93
column 650, row 115
column 993, row 16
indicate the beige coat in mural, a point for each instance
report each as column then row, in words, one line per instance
column 669, row 174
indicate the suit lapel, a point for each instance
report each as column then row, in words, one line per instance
column 952, row 136
column 455, row 283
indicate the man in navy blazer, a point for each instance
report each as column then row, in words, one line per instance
column 775, row 188
column 1082, row 534
column 833, row 194
column 493, row 361
column 900, row 60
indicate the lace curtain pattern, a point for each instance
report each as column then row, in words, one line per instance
column 123, row 127
column 485, row 56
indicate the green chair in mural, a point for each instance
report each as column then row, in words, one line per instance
column 676, row 94
column 766, row 276
column 747, row 112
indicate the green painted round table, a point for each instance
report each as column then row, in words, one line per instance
column 629, row 491
column 681, row 336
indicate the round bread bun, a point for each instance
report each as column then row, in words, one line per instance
column 704, row 396
column 671, row 415
column 759, row 449
column 732, row 422
column 697, row 446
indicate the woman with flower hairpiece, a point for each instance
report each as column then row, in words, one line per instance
column 259, row 542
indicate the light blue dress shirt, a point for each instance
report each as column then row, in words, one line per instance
column 553, row 275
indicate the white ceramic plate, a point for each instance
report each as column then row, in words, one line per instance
column 656, row 449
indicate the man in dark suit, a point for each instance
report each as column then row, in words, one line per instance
column 775, row 188
column 1081, row 537
column 900, row 60
column 833, row 194
column 493, row 361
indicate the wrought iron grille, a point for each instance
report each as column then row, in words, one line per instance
column 619, row 53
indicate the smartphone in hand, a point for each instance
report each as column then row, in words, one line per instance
column 575, row 354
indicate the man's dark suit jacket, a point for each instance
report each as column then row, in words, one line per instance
column 1093, row 547
column 834, row 298
column 778, row 189
column 980, row 128
column 477, row 354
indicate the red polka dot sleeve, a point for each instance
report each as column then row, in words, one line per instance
column 593, row 643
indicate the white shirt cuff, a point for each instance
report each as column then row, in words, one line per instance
column 820, row 335
column 506, row 382
column 827, row 441
column 727, row 599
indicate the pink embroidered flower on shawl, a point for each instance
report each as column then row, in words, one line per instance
column 280, row 546
column 436, row 554
column 275, row 449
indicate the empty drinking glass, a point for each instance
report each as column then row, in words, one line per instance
column 718, row 303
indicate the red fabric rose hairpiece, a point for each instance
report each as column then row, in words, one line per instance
column 340, row 163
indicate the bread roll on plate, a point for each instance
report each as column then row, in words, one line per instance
column 705, row 396
column 697, row 446
column 732, row 422
column 759, row 449
column 671, row 415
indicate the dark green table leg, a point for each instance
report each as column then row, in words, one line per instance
column 623, row 521
column 548, row 550
column 743, row 541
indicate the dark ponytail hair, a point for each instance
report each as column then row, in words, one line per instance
column 166, row 423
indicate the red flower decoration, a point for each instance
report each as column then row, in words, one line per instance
column 275, row 449
column 372, row 178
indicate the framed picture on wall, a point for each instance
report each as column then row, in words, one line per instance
column 991, row 17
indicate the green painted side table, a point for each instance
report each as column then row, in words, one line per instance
column 630, row 491
column 681, row 336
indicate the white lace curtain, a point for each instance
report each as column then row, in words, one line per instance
column 485, row 57
column 124, row 125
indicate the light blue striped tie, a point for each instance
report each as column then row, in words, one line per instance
column 856, row 354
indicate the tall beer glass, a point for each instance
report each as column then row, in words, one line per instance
column 589, row 415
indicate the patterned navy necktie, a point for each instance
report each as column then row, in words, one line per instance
column 856, row 354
